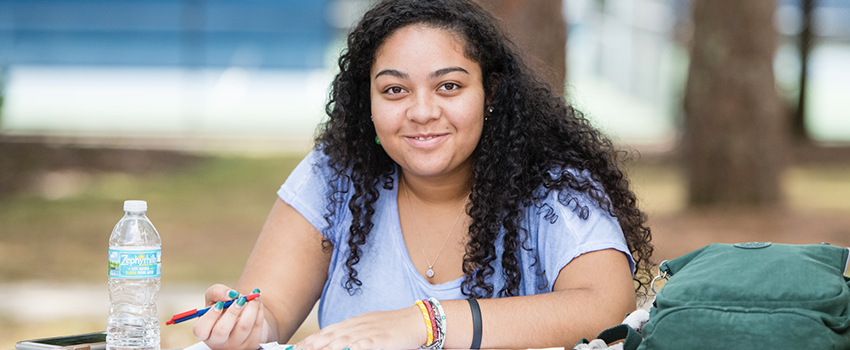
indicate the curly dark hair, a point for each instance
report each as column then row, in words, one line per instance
column 530, row 132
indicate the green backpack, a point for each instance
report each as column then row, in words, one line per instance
column 752, row 296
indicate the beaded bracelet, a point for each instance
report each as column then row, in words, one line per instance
column 427, row 317
column 437, row 319
column 440, row 316
column 434, row 326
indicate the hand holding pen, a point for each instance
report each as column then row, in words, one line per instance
column 242, row 325
column 194, row 313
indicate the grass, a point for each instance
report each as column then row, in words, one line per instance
column 208, row 215
column 210, row 212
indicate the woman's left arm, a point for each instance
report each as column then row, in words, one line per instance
column 593, row 292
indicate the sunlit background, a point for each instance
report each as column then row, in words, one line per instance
column 246, row 82
column 259, row 70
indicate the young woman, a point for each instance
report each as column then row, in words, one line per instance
column 448, row 175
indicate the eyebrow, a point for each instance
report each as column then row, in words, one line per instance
column 435, row 74
column 393, row 72
column 444, row 71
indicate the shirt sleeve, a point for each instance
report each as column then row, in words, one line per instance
column 574, row 225
column 306, row 190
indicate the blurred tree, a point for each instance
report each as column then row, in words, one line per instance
column 539, row 30
column 4, row 81
column 735, row 128
column 805, row 42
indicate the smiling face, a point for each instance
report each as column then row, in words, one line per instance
column 427, row 101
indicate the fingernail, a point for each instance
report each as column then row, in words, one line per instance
column 241, row 301
column 256, row 290
column 219, row 305
column 232, row 294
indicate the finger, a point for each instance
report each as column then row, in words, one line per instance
column 244, row 326
column 204, row 326
column 342, row 341
column 307, row 342
column 260, row 321
column 219, row 292
column 334, row 337
column 303, row 344
column 222, row 329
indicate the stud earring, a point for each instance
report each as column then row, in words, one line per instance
column 490, row 109
column 377, row 141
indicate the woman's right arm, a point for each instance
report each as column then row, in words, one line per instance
column 290, row 268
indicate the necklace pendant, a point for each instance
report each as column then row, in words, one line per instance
column 429, row 273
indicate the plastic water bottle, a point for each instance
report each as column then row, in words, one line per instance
column 134, row 272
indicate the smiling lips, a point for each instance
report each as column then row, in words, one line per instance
column 422, row 140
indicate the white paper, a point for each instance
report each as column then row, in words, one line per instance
column 266, row 346
column 276, row 346
column 198, row 346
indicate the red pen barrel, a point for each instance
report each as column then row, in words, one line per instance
column 184, row 314
column 193, row 312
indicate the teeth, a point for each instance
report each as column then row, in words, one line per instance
column 424, row 138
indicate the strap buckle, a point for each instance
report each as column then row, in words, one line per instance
column 661, row 275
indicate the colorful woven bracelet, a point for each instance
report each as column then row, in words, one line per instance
column 427, row 318
column 440, row 318
column 434, row 326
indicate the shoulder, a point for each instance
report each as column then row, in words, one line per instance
column 570, row 190
column 577, row 210
column 312, row 187
column 565, row 223
column 316, row 168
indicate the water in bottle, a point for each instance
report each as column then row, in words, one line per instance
column 134, row 272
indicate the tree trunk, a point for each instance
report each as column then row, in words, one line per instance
column 538, row 29
column 798, row 120
column 735, row 127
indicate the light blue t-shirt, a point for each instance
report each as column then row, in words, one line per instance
column 557, row 233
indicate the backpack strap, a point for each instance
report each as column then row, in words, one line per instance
column 619, row 332
column 630, row 335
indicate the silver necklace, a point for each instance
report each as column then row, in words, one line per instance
column 430, row 272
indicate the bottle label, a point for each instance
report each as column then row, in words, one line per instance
column 135, row 263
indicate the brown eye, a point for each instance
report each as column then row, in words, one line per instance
column 395, row 90
column 450, row 86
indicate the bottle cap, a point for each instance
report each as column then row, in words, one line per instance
column 135, row 206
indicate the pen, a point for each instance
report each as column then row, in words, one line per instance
column 188, row 315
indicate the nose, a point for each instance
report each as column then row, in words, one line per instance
column 424, row 109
